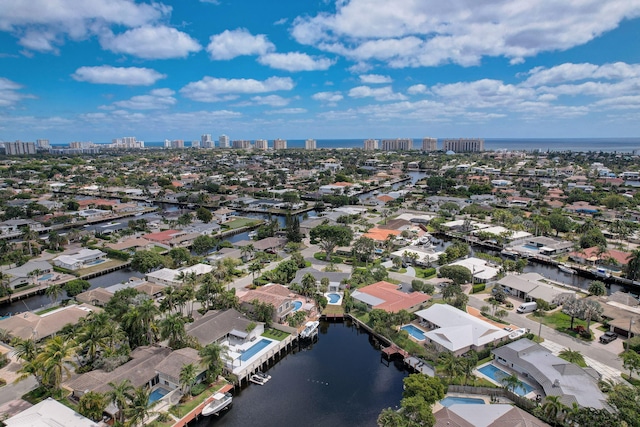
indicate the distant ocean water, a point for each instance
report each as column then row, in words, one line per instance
column 625, row 145
column 622, row 145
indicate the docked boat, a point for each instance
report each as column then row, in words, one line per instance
column 601, row 272
column 509, row 254
column 219, row 402
column 566, row 269
column 259, row 378
column 310, row 329
column 253, row 234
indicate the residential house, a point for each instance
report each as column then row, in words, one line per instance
column 29, row 273
column 557, row 377
column 48, row 413
column 457, row 331
column 29, row 325
column 218, row 325
column 168, row 370
column 533, row 286
column 280, row 297
column 388, row 297
column 495, row 415
column 335, row 278
column 81, row 259
column 612, row 258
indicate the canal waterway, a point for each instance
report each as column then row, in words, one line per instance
column 338, row 381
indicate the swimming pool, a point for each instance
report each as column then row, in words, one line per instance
column 95, row 262
column 254, row 349
column 497, row 374
column 45, row 277
column 531, row 247
column 157, row 394
column 333, row 298
column 297, row 305
column 414, row 332
column 450, row 400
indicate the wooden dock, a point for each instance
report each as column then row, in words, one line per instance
column 393, row 351
column 195, row 412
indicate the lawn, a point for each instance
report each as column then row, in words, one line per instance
column 332, row 310
column 560, row 322
column 275, row 334
column 99, row 267
column 159, row 249
column 321, row 256
column 241, row 222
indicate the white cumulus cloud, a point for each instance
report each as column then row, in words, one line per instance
column 272, row 100
column 151, row 42
column 212, row 89
column 230, row 44
column 9, row 94
column 375, row 79
column 331, row 97
column 157, row 99
column 106, row 74
column 379, row 93
column 417, row 89
column 295, row 61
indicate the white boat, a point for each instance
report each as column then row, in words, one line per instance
column 309, row 329
column 566, row 269
column 601, row 272
column 517, row 333
column 259, row 378
column 219, row 402
column 253, row 234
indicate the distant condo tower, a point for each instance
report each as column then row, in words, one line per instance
column 206, row 141
column 127, row 142
column 195, row 144
column 223, row 141
column 429, row 144
column 310, row 144
column 177, row 143
column 280, row 144
column 398, row 144
column 370, row 144
column 462, row 145
column 19, row 148
column 241, row 143
column 43, row 144
column 261, row 144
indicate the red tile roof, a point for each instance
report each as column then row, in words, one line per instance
column 394, row 300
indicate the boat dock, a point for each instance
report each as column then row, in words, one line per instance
column 196, row 412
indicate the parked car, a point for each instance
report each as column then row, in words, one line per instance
column 607, row 337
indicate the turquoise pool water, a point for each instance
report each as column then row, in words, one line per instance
column 157, row 394
column 414, row 332
column 254, row 349
column 498, row 374
column 297, row 305
column 450, row 400
column 95, row 262
column 45, row 277
column 333, row 298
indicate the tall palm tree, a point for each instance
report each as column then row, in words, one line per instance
column 633, row 265
column 29, row 235
column 450, row 364
column 552, row 407
column 139, row 408
column 91, row 339
column 26, row 349
column 55, row 358
column 511, row 382
column 169, row 302
column 121, row 394
column 213, row 356
column 572, row 356
column 172, row 328
column 54, row 292
column 187, row 377
column 92, row 404
column 148, row 312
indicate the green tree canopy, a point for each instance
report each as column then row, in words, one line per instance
column 330, row 236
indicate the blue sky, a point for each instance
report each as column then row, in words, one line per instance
column 93, row 70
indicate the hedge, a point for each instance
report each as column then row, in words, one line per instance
column 478, row 288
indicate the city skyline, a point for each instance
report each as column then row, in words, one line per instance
column 293, row 70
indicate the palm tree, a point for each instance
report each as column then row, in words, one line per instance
column 148, row 312
column 139, row 408
column 92, row 337
column 450, row 364
column 633, row 265
column 26, row 349
column 120, row 395
column 28, row 235
column 309, row 286
column 172, row 328
column 511, row 382
column 212, row 356
column 169, row 302
column 572, row 356
column 255, row 267
column 187, row 377
column 92, row 404
column 55, row 358
column 597, row 288
column 54, row 292
column 552, row 407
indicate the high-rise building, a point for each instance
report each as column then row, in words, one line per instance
column 370, row 144
column 310, row 144
column 19, row 148
column 43, row 144
column 261, row 144
column 429, row 144
column 241, row 143
column 206, row 141
column 279, row 144
column 462, row 145
column 167, row 143
column 177, row 143
column 127, row 142
column 223, row 141
column 398, row 144
column 195, row 144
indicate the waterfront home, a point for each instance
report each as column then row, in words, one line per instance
column 278, row 296
column 29, row 325
column 218, row 325
column 389, row 297
column 131, row 245
column 163, row 237
column 49, row 413
column 98, row 297
column 14, row 227
column 423, row 256
column 481, row 270
column 542, row 245
column 168, row 370
column 171, row 277
column 29, row 273
column 457, row 331
column 533, row 286
column 495, row 415
column 592, row 256
column 555, row 376
column 335, row 278
column 81, row 259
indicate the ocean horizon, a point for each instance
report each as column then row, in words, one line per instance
column 622, row 145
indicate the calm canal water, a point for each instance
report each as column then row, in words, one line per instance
column 338, row 381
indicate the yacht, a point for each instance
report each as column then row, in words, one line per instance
column 259, row 378
column 253, row 234
column 219, row 402
column 309, row 329
column 566, row 269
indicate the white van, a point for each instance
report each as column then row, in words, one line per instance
column 527, row 307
